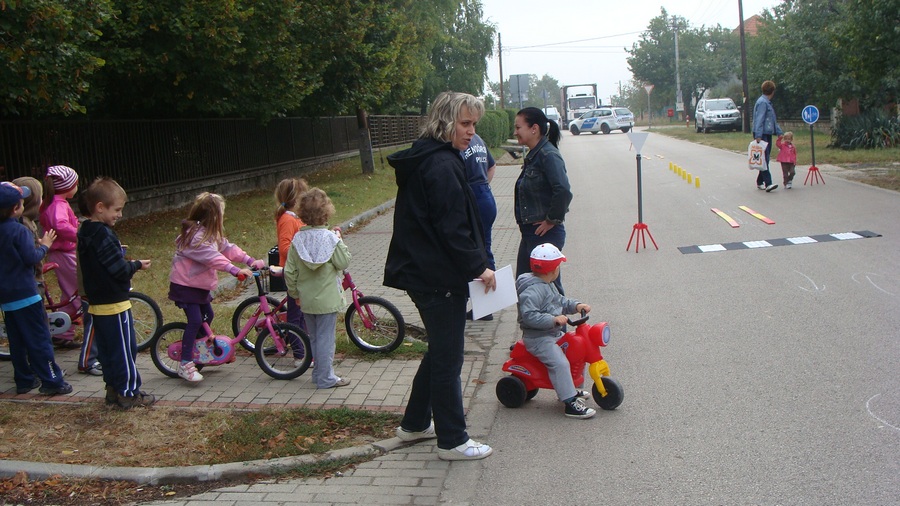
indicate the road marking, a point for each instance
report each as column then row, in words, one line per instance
column 756, row 215
column 725, row 217
column 731, row 246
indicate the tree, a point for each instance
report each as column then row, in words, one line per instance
column 706, row 57
column 47, row 64
column 208, row 58
column 459, row 50
column 534, row 93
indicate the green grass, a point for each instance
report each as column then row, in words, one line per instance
column 886, row 160
column 249, row 223
column 269, row 433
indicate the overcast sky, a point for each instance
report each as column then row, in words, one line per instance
column 539, row 36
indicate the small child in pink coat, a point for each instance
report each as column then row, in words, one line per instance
column 201, row 250
column 787, row 156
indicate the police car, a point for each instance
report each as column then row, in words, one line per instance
column 604, row 119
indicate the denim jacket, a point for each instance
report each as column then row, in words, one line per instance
column 764, row 121
column 542, row 190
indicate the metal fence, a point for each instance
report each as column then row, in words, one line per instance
column 150, row 154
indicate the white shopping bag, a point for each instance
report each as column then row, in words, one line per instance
column 756, row 154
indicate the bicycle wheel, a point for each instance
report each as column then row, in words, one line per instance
column 380, row 327
column 4, row 341
column 166, row 336
column 245, row 310
column 147, row 318
column 297, row 354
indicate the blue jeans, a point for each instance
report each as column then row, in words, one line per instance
column 487, row 209
column 555, row 236
column 437, row 388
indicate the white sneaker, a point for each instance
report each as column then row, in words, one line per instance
column 408, row 436
column 788, row 186
column 189, row 372
column 761, row 187
column 470, row 450
column 771, row 187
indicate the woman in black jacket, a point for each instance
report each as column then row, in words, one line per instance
column 436, row 249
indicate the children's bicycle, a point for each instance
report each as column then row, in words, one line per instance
column 144, row 310
column 282, row 349
column 372, row 323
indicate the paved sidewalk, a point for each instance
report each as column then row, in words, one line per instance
column 401, row 474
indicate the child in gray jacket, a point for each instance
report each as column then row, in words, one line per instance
column 542, row 317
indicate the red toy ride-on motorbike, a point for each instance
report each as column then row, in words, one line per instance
column 581, row 346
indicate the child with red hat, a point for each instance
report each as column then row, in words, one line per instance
column 61, row 184
column 542, row 318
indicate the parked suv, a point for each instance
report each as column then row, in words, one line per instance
column 604, row 119
column 716, row 114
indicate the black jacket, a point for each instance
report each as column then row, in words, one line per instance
column 105, row 272
column 437, row 244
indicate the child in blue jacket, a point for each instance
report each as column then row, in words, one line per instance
column 30, row 348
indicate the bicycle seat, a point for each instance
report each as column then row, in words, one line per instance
column 276, row 271
column 49, row 266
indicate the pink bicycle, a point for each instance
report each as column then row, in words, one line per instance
column 372, row 323
column 282, row 349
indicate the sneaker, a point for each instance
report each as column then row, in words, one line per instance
column 341, row 382
column 189, row 372
column 63, row 389
column 771, row 187
column 24, row 390
column 94, row 370
column 409, row 436
column 470, row 450
column 761, row 187
column 141, row 399
column 584, row 394
column 577, row 409
column 298, row 362
column 788, row 186
column 111, row 395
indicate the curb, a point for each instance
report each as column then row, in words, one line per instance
column 191, row 474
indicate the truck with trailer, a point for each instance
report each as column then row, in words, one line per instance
column 576, row 104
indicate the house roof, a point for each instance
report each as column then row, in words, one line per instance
column 751, row 25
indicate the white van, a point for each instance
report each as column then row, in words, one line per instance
column 552, row 115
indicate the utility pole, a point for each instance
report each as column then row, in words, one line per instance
column 679, row 105
column 745, row 111
column 500, row 56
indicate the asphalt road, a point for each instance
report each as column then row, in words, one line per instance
column 756, row 376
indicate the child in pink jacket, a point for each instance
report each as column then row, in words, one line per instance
column 60, row 184
column 787, row 156
column 201, row 250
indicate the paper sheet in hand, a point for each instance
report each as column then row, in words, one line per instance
column 505, row 295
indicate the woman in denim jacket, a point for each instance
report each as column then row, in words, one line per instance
column 764, row 125
column 542, row 194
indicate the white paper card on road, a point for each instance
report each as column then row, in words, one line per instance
column 505, row 295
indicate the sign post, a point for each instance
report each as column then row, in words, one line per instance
column 639, row 231
column 810, row 115
column 649, row 88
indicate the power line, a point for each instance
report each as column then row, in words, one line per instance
column 572, row 41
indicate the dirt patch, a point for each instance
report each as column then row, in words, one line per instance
column 93, row 434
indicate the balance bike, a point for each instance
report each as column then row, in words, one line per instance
column 581, row 346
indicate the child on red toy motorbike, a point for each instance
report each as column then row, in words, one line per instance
column 542, row 317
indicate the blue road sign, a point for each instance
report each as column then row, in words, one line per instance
column 810, row 114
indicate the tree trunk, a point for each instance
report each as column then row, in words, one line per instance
column 366, row 157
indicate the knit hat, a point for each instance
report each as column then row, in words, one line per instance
column 11, row 194
column 64, row 178
column 546, row 258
